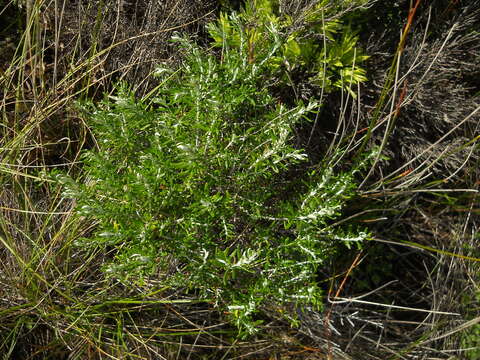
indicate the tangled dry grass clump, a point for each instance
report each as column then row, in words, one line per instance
column 430, row 181
column 437, row 71
column 129, row 38
column 410, row 293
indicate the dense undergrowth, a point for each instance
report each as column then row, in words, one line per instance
column 269, row 179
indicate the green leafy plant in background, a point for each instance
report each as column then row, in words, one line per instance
column 200, row 185
column 320, row 45
column 470, row 338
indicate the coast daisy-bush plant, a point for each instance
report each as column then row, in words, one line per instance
column 201, row 184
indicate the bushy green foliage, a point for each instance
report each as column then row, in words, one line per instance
column 322, row 45
column 202, row 186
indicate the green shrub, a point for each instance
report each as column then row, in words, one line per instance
column 201, row 185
